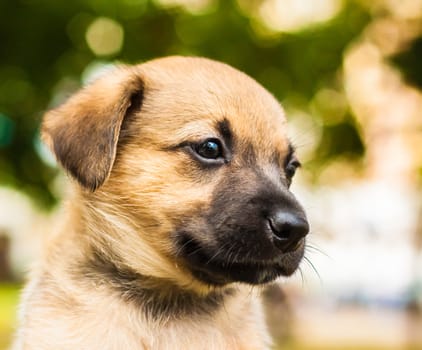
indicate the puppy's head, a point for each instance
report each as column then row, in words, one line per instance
column 183, row 167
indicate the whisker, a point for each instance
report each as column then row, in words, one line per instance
column 185, row 244
column 313, row 268
column 301, row 276
column 217, row 252
column 190, row 240
column 231, row 256
column 314, row 248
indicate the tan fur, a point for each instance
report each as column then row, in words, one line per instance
column 142, row 192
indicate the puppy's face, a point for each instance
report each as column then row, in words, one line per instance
column 193, row 156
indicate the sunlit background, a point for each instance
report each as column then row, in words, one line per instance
column 349, row 74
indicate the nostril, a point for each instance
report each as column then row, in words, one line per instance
column 280, row 231
column 288, row 230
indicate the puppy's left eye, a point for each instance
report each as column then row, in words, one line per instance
column 210, row 149
column 291, row 168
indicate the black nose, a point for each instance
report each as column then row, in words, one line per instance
column 288, row 229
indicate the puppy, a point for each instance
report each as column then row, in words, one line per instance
column 181, row 170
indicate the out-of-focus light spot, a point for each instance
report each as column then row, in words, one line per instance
column 62, row 90
column 385, row 34
column 295, row 15
column 364, row 79
column 44, row 152
column 406, row 9
column 95, row 70
column 6, row 130
column 388, row 109
column 105, row 36
column 196, row 7
column 392, row 35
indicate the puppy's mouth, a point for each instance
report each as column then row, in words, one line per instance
column 218, row 267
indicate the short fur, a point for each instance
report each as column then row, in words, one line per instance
column 159, row 246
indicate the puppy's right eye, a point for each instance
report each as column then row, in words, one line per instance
column 210, row 149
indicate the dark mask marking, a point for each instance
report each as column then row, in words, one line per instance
column 158, row 299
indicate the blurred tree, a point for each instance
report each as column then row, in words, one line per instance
column 45, row 45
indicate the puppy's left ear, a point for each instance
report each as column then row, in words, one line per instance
column 84, row 131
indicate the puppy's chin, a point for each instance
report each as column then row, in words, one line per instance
column 219, row 268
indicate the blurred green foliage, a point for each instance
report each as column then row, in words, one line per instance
column 43, row 44
column 409, row 62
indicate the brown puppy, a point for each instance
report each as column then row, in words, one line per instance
column 181, row 202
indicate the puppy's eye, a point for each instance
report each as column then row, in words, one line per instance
column 210, row 149
column 291, row 168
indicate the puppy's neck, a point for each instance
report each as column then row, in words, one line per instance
column 116, row 259
column 157, row 298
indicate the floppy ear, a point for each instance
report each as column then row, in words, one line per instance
column 84, row 131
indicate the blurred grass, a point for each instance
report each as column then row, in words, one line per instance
column 9, row 296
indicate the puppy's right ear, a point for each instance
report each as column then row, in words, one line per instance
column 84, row 131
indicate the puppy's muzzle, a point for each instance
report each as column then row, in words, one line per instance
column 288, row 229
column 252, row 235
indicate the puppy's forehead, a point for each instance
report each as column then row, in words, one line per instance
column 195, row 95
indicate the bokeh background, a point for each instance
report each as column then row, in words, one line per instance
column 349, row 74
